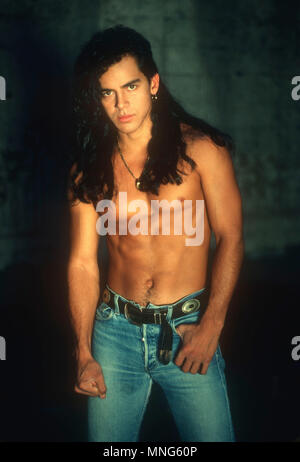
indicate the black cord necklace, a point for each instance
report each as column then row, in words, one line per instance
column 137, row 180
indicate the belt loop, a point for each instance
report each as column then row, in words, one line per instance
column 169, row 314
column 116, row 301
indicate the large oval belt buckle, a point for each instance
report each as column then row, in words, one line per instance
column 127, row 316
column 190, row 305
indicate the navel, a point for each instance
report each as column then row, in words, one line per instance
column 150, row 283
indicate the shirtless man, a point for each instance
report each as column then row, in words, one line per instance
column 118, row 353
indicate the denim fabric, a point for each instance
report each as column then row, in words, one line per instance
column 128, row 356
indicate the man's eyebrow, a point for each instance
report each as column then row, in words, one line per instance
column 123, row 86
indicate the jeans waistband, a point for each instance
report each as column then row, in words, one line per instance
column 152, row 305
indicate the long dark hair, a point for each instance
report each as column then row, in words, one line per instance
column 95, row 135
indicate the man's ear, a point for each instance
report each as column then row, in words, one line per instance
column 154, row 84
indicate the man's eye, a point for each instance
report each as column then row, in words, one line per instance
column 132, row 85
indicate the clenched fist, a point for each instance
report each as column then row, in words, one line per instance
column 90, row 380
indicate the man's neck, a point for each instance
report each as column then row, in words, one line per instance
column 135, row 143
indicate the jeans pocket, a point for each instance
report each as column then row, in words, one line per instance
column 191, row 318
column 104, row 312
column 175, row 331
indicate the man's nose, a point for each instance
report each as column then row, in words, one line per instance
column 120, row 101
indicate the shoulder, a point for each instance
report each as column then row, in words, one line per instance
column 71, row 194
column 206, row 154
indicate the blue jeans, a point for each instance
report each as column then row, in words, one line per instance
column 127, row 354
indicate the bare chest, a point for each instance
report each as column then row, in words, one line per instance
column 174, row 211
column 125, row 187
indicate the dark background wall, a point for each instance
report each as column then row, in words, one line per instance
column 231, row 64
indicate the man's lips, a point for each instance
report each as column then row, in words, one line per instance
column 126, row 118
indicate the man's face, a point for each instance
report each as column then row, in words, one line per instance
column 126, row 95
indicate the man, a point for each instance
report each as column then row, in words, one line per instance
column 138, row 146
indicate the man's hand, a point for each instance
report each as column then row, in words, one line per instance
column 90, row 380
column 199, row 344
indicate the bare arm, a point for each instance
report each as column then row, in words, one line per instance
column 224, row 208
column 83, row 274
column 83, row 293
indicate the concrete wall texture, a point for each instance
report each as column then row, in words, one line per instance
column 229, row 63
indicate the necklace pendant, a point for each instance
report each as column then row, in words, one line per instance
column 137, row 183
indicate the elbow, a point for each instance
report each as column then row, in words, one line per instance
column 235, row 239
column 91, row 267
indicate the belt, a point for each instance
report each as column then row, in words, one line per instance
column 154, row 316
